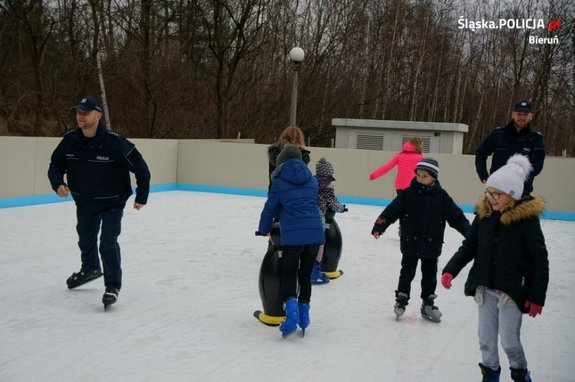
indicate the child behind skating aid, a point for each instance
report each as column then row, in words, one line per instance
column 293, row 196
column 327, row 201
column 424, row 208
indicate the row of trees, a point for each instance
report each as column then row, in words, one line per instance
column 219, row 68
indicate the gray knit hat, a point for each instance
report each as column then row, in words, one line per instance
column 288, row 152
column 430, row 165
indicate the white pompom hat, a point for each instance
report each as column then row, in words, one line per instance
column 511, row 177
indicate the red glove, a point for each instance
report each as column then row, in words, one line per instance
column 446, row 280
column 534, row 309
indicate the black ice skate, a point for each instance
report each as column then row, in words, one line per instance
column 429, row 311
column 82, row 278
column 400, row 304
column 110, row 296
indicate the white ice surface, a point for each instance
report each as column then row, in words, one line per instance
column 191, row 264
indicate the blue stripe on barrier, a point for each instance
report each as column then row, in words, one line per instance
column 44, row 199
column 23, row 201
column 32, row 200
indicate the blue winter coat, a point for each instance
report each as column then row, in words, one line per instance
column 294, row 194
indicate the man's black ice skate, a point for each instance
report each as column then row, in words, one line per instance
column 82, row 278
column 110, row 296
column 429, row 311
column 401, row 301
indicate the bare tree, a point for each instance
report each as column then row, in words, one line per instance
column 216, row 68
column 38, row 28
column 232, row 33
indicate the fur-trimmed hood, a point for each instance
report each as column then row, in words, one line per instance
column 523, row 210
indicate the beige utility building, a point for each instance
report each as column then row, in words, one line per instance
column 383, row 135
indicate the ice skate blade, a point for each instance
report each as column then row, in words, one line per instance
column 320, row 282
column 74, row 286
column 288, row 335
column 398, row 313
column 107, row 305
column 429, row 318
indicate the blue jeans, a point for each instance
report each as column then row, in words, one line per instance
column 88, row 226
column 500, row 316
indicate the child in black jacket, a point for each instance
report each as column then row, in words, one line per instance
column 423, row 208
column 510, row 271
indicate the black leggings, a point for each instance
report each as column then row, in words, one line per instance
column 295, row 266
column 428, row 275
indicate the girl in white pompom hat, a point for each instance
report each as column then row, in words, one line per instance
column 510, row 270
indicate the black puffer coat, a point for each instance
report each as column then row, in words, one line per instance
column 423, row 211
column 508, row 252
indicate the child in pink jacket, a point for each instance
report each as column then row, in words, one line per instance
column 405, row 160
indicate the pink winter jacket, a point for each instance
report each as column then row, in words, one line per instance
column 405, row 160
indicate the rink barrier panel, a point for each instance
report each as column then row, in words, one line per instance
column 46, row 199
column 241, row 168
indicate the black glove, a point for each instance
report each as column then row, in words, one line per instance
column 377, row 228
column 379, row 225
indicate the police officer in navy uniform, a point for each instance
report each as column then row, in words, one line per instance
column 515, row 138
column 97, row 163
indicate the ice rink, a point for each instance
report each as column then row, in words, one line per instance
column 191, row 264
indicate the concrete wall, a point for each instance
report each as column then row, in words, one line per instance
column 245, row 166
column 24, row 163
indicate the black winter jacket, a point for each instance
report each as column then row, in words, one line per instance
column 423, row 211
column 503, row 143
column 98, row 169
column 508, row 252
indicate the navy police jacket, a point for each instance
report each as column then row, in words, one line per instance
column 503, row 143
column 98, row 169
column 294, row 194
column 423, row 211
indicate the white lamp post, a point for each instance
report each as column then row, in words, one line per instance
column 296, row 56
